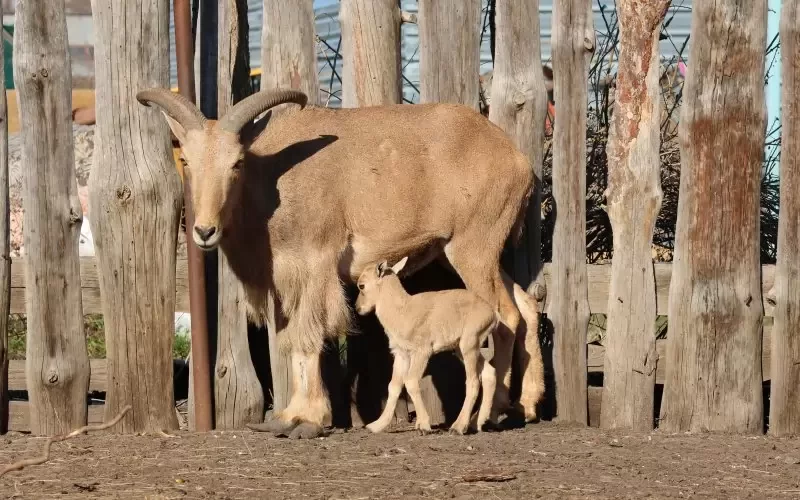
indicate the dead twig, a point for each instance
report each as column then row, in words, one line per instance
column 477, row 477
column 63, row 437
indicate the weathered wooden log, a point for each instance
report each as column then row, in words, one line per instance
column 634, row 200
column 371, row 76
column 784, row 419
column 57, row 362
column 5, row 253
column 573, row 43
column 449, row 64
column 136, row 197
column 713, row 379
column 519, row 108
column 238, row 396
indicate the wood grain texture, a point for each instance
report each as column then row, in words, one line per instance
column 238, row 396
column 136, row 197
column 519, row 106
column 449, row 65
column 634, row 200
column 713, row 379
column 449, row 51
column 785, row 391
column 573, row 44
column 370, row 76
column 57, row 362
column 288, row 60
column 5, row 252
column 370, row 52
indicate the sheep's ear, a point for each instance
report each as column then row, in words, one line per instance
column 400, row 265
column 381, row 268
column 177, row 128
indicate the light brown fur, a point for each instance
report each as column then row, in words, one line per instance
column 321, row 194
column 421, row 325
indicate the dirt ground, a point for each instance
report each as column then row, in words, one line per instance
column 544, row 460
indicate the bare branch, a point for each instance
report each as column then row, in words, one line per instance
column 55, row 439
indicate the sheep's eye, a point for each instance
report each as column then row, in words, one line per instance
column 361, row 286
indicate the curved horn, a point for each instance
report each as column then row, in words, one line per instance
column 177, row 106
column 246, row 110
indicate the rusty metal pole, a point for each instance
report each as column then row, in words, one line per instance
column 184, row 56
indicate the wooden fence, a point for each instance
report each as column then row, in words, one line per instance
column 599, row 277
column 716, row 359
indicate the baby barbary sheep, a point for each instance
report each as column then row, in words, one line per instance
column 421, row 325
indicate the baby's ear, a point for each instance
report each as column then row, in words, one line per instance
column 400, row 265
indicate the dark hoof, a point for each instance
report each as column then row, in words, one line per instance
column 307, row 430
column 490, row 426
column 275, row 426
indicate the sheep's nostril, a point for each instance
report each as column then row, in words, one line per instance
column 205, row 232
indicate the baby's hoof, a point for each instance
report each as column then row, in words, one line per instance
column 307, row 430
column 458, row 431
column 374, row 427
column 275, row 426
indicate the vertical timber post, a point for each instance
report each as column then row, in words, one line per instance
column 370, row 76
column 238, row 396
column 5, row 251
column 634, row 200
column 56, row 364
column 135, row 192
column 714, row 375
column 568, row 310
column 449, row 65
column 519, row 106
column 784, row 419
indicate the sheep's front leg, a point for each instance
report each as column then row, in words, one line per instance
column 308, row 406
column 399, row 370
column 416, row 369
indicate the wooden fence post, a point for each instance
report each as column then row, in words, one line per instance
column 568, row 310
column 713, row 377
column 370, row 76
column 449, row 71
column 238, row 396
column 519, row 106
column 5, row 250
column 57, row 364
column 784, row 419
column 634, row 200
column 136, row 198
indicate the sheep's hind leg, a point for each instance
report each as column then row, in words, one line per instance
column 488, row 383
column 481, row 275
column 473, row 362
column 416, row 369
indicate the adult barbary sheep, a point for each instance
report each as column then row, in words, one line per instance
column 421, row 325
column 303, row 200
